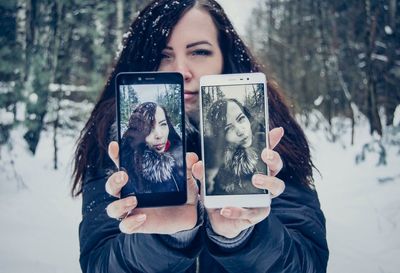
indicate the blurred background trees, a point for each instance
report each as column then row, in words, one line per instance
column 338, row 57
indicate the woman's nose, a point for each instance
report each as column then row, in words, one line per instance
column 239, row 131
column 157, row 133
column 183, row 68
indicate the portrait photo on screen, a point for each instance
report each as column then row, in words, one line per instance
column 151, row 137
column 234, row 127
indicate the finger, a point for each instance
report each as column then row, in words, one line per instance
column 197, row 170
column 191, row 158
column 273, row 184
column 113, row 152
column 121, row 207
column 193, row 191
column 274, row 136
column 273, row 160
column 115, row 183
column 132, row 223
column 253, row 215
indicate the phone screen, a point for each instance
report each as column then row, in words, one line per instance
column 151, row 137
column 234, row 135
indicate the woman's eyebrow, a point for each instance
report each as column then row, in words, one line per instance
column 239, row 116
column 191, row 45
column 198, row 43
column 161, row 121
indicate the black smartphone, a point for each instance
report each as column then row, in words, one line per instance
column 151, row 136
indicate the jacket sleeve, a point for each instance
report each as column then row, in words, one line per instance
column 291, row 239
column 103, row 248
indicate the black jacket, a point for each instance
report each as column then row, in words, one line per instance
column 291, row 239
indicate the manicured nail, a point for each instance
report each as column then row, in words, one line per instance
column 226, row 212
column 282, row 131
column 270, row 155
column 140, row 217
column 131, row 201
column 257, row 180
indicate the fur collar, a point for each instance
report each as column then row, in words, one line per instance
column 156, row 167
column 242, row 161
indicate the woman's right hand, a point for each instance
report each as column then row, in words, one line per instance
column 161, row 220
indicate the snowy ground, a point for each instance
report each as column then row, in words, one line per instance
column 39, row 224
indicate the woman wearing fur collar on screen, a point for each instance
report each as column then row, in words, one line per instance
column 153, row 145
column 195, row 38
column 236, row 141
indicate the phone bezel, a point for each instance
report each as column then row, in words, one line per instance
column 242, row 200
column 124, row 78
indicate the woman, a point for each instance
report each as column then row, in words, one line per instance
column 239, row 140
column 151, row 151
column 195, row 38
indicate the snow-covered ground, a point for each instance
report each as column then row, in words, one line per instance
column 39, row 223
column 361, row 203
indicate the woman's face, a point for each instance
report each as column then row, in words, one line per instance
column 157, row 139
column 238, row 127
column 193, row 50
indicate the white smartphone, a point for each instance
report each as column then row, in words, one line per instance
column 234, row 131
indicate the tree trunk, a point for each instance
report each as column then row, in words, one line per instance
column 370, row 37
column 120, row 21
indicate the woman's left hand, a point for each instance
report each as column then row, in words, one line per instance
column 230, row 221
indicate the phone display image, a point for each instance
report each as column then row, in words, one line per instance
column 151, row 138
column 234, row 134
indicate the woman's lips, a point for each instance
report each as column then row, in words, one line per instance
column 245, row 140
column 159, row 146
column 190, row 95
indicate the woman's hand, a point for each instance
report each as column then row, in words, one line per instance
column 163, row 220
column 230, row 221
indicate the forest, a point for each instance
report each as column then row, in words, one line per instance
column 341, row 58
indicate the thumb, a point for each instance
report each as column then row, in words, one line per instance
column 113, row 152
column 275, row 136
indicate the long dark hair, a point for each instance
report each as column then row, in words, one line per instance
column 148, row 36
column 140, row 125
column 217, row 120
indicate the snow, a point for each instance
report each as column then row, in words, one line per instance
column 6, row 117
column 360, row 202
column 396, row 119
column 39, row 218
column 388, row 30
column 33, row 98
column 54, row 87
column 319, row 100
column 379, row 57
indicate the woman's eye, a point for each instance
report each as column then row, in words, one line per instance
column 201, row 52
column 163, row 124
column 241, row 119
column 165, row 56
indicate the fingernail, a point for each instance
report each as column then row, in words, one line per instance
column 282, row 131
column 131, row 201
column 140, row 218
column 120, row 178
column 257, row 180
column 270, row 155
column 226, row 212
